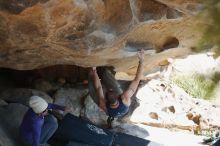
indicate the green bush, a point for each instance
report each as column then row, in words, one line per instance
column 197, row 85
column 210, row 15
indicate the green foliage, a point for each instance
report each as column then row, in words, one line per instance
column 197, row 85
column 211, row 17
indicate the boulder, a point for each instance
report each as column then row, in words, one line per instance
column 71, row 97
column 22, row 95
column 41, row 33
column 10, row 123
column 93, row 113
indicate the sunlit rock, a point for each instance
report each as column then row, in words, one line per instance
column 42, row 33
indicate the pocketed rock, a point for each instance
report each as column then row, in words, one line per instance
column 153, row 115
column 169, row 109
column 180, row 110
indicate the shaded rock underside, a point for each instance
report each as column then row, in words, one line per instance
column 40, row 33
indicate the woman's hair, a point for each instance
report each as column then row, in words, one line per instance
column 111, row 97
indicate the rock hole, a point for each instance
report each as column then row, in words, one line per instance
column 171, row 42
column 150, row 10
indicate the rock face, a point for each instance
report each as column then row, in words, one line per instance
column 22, row 95
column 72, row 98
column 9, row 125
column 40, row 33
column 163, row 104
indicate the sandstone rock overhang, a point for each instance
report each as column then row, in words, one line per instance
column 40, row 33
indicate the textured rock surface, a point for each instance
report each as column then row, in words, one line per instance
column 173, row 106
column 22, row 95
column 72, row 98
column 39, row 33
column 9, row 124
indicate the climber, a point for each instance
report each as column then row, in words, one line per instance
column 114, row 104
column 38, row 125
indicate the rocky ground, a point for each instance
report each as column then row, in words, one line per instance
column 160, row 111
